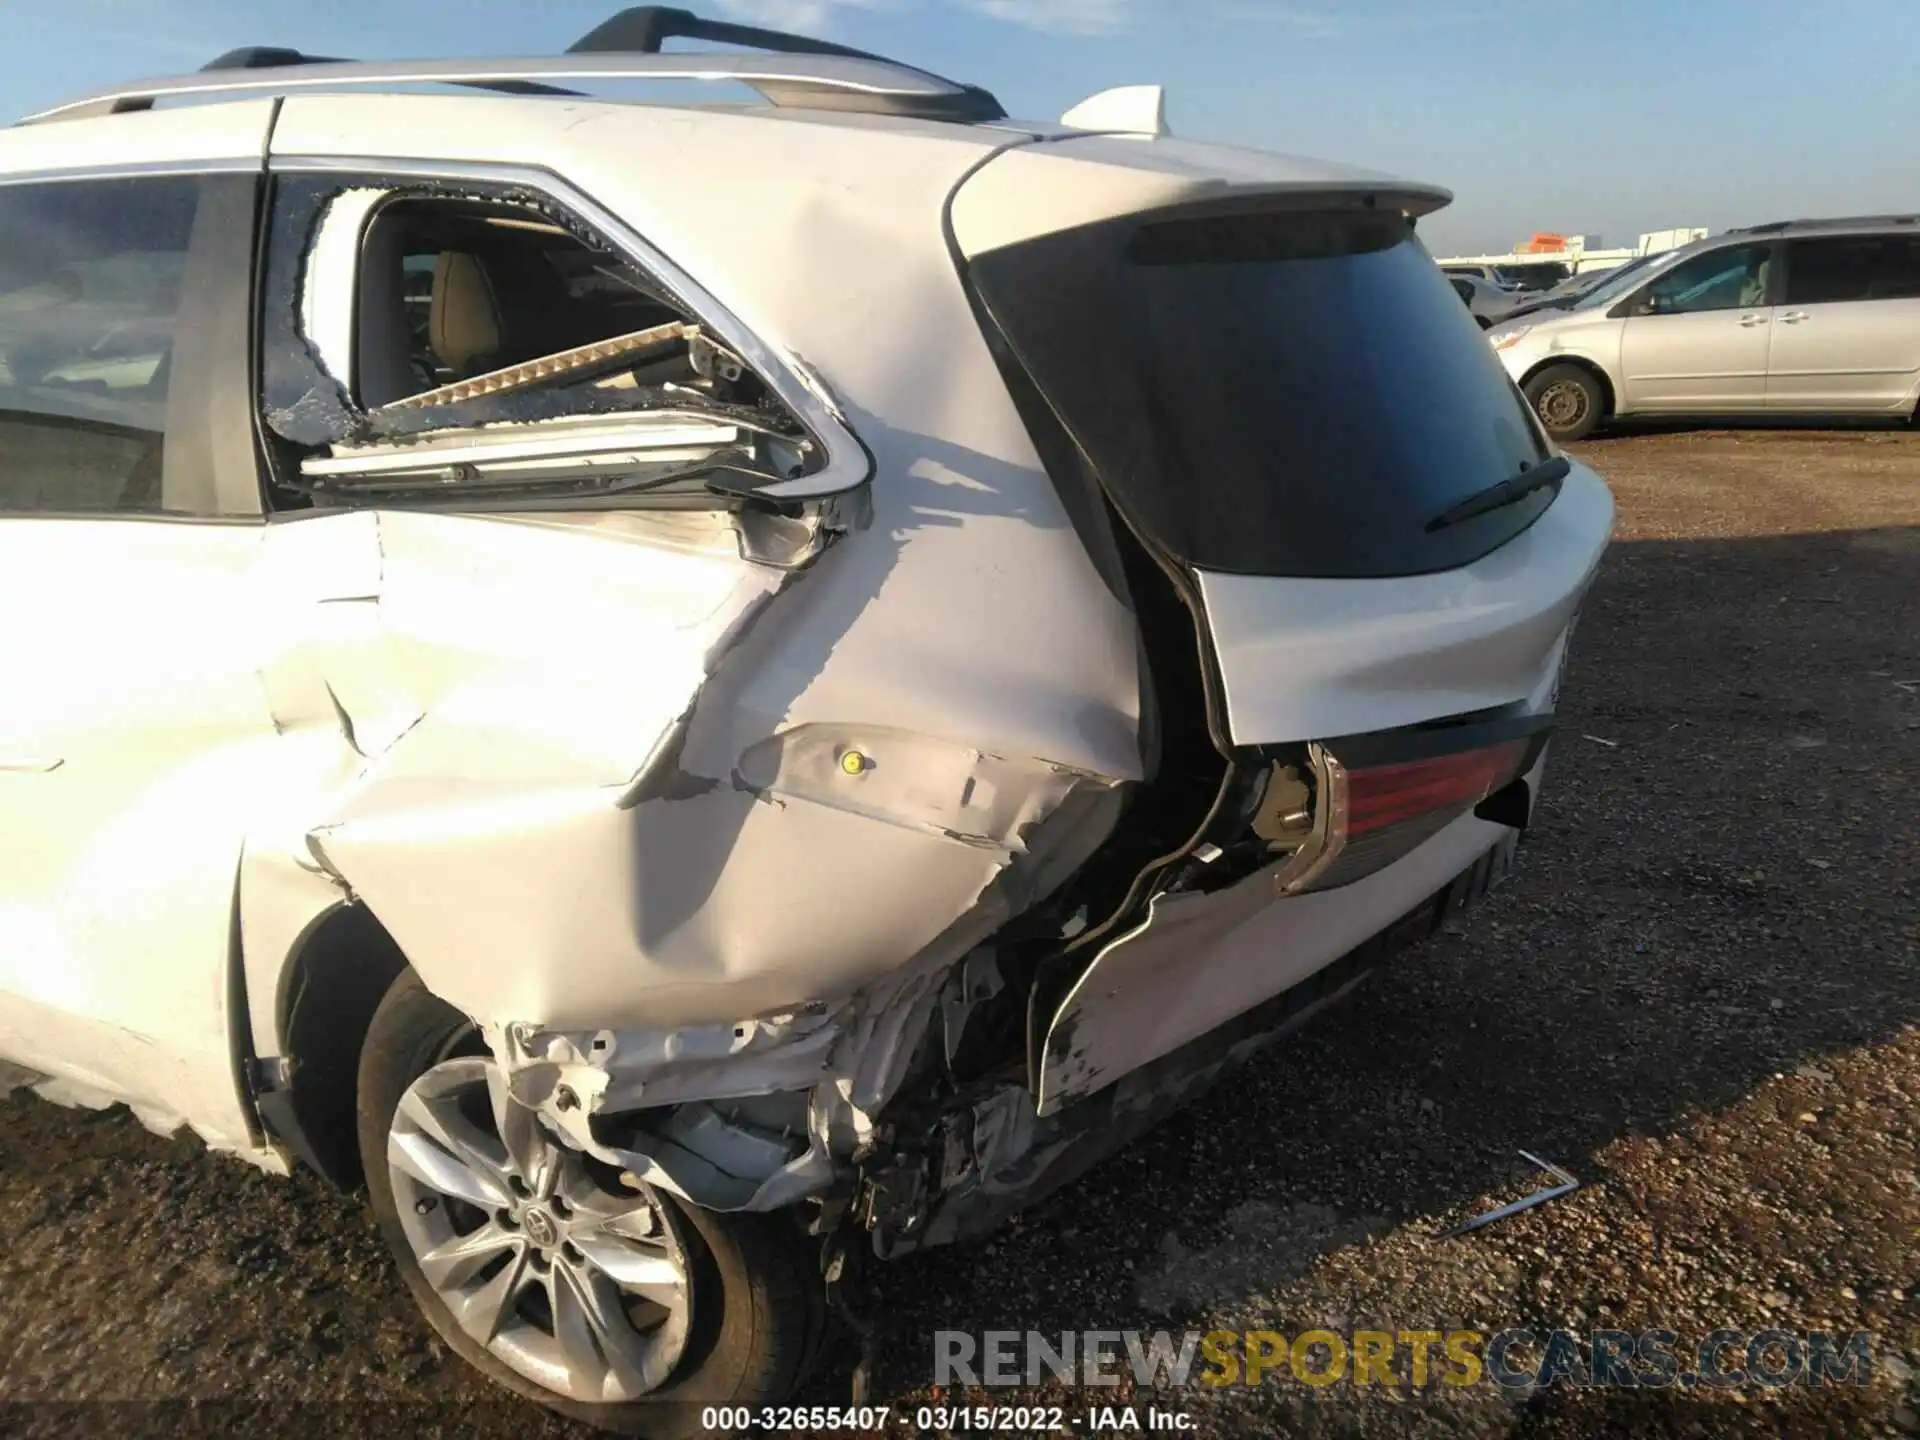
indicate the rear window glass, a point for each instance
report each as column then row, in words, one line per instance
column 1853, row 267
column 1281, row 393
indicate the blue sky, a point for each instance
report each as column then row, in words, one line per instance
column 1608, row 119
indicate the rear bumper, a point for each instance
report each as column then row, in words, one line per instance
column 1201, row 961
column 1044, row 1153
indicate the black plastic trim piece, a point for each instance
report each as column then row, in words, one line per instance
column 1550, row 471
column 267, row 57
column 219, row 374
column 1511, row 805
column 643, row 29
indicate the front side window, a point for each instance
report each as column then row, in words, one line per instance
column 1618, row 282
column 90, row 284
column 1730, row 279
column 443, row 343
column 1853, row 267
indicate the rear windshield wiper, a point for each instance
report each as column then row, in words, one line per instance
column 1530, row 479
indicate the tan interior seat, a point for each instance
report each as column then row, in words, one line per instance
column 383, row 346
column 463, row 320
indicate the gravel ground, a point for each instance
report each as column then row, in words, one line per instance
column 1700, row 993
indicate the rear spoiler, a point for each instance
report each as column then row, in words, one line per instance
column 1027, row 191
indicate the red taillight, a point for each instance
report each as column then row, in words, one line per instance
column 1370, row 808
column 1384, row 795
column 1371, row 815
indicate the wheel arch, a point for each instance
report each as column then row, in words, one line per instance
column 330, row 987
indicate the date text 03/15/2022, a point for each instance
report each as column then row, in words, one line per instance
column 944, row 1419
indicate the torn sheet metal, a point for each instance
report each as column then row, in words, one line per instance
column 414, row 667
column 687, row 873
column 838, row 1066
column 1199, row 960
column 607, row 796
column 1564, row 1184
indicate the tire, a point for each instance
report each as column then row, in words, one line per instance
column 1568, row 400
column 1483, row 322
column 757, row 1303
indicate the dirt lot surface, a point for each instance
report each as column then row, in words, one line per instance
column 1700, row 993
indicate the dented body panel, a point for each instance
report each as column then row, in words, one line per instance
column 586, row 767
column 659, row 718
column 737, row 817
column 119, row 860
column 1199, row 961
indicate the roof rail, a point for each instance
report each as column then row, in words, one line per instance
column 1836, row 222
column 642, row 29
column 268, row 57
column 812, row 74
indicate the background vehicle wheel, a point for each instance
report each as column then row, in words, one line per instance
column 542, row 1270
column 1568, row 401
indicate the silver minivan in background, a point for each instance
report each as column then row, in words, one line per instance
column 1802, row 317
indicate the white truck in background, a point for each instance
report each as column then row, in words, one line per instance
column 1575, row 254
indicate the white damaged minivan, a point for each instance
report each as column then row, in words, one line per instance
column 695, row 691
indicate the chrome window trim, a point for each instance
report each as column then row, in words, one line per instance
column 150, row 169
column 848, row 465
column 537, row 441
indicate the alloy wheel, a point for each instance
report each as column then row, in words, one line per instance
column 578, row 1285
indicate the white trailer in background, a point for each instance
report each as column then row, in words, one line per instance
column 1583, row 252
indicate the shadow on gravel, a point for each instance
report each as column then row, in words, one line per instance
column 1721, row 887
column 1782, row 426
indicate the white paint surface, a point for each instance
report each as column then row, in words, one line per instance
column 585, row 766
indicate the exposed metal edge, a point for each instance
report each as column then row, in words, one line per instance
column 870, row 77
column 525, row 443
column 1564, row 1184
column 1329, row 836
column 848, row 464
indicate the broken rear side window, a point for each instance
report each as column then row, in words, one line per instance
column 424, row 343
